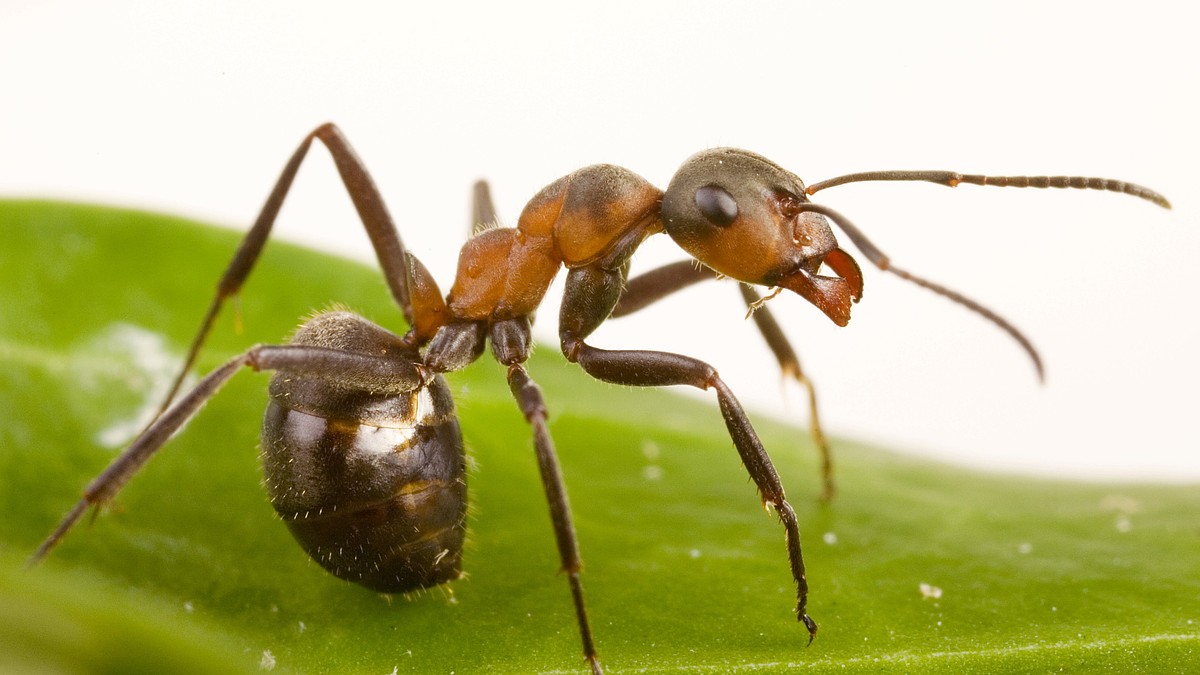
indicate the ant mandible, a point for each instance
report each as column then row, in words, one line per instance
column 362, row 451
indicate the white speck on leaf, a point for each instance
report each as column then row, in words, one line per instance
column 929, row 591
column 268, row 660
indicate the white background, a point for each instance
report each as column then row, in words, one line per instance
column 193, row 110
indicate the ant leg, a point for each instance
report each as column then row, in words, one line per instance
column 789, row 364
column 387, row 376
column 650, row 287
column 590, row 295
column 483, row 212
column 660, row 369
column 410, row 283
column 511, row 342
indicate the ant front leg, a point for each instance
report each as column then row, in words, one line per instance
column 650, row 287
column 789, row 364
column 590, row 295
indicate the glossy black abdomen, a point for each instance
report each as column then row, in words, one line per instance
column 373, row 487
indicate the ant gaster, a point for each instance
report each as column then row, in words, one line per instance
column 362, row 451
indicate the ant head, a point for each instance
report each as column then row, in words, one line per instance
column 741, row 214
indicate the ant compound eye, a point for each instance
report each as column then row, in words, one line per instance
column 717, row 205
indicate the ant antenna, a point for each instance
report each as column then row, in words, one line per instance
column 883, row 262
column 953, row 179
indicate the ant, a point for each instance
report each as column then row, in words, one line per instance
column 362, row 451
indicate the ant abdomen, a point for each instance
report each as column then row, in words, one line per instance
column 372, row 486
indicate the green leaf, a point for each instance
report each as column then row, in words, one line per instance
column 684, row 571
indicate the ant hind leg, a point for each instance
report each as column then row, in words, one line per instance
column 410, row 284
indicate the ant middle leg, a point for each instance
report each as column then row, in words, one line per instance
column 458, row 344
column 656, row 284
column 590, row 295
column 394, row 374
column 529, row 398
